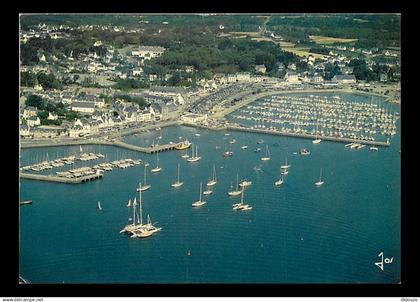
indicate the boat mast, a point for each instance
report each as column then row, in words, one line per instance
column 144, row 174
column 134, row 211
column 242, row 196
column 214, row 172
column 237, row 182
column 141, row 218
column 320, row 174
column 201, row 186
column 178, row 173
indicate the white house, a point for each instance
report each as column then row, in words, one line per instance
column 75, row 131
column 24, row 130
column 52, row 116
column 243, row 77
column 292, row 77
column 29, row 111
column 33, row 121
column 260, row 68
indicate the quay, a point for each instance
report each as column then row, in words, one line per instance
column 51, row 178
column 304, row 135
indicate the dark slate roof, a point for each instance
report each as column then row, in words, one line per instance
column 83, row 104
column 168, row 89
column 341, row 77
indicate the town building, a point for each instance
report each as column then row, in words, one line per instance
column 344, row 78
column 83, row 107
column 260, row 68
column 33, row 121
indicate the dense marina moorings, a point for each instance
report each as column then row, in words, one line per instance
column 320, row 116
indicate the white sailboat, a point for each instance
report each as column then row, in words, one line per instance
column 99, row 206
column 200, row 202
column 157, row 168
column 237, row 191
column 143, row 230
column 177, row 183
column 316, row 140
column 213, row 181
column 194, row 158
column 320, row 182
column 241, row 206
column 267, row 154
column 145, row 186
column 186, row 154
column 208, row 191
column 285, row 166
column 280, row 181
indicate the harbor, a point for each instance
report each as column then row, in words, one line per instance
column 320, row 206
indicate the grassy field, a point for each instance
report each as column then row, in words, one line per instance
column 330, row 40
column 299, row 51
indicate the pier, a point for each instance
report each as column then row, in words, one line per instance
column 116, row 143
column 311, row 136
column 51, row 178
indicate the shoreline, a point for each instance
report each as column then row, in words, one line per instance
column 113, row 137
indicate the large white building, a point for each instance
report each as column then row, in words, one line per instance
column 194, row 118
column 148, row 52
column 83, row 107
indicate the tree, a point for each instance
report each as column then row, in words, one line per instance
column 48, row 81
column 175, row 80
column 35, row 101
column 28, row 79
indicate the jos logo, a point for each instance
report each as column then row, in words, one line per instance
column 383, row 261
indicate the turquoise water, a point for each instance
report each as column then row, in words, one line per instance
column 295, row 234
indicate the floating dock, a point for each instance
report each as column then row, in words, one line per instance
column 51, row 178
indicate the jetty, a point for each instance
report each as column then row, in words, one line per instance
column 305, row 135
column 52, row 178
column 115, row 143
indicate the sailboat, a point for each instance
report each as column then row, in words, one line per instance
column 145, row 186
column 186, row 154
column 267, row 154
column 99, row 206
column 319, row 182
column 280, row 181
column 195, row 157
column 316, row 140
column 208, row 191
column 285, row 166
column 200, row 202
column 177, row 183
column 157, row 168
column 241, row 206
column 143, row 230
column 213, row 181
column 129, row 203
column 129, row 227
column 237, row 191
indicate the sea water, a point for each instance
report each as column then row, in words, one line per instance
column 297, row 233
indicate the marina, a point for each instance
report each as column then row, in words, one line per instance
column 334, row 219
